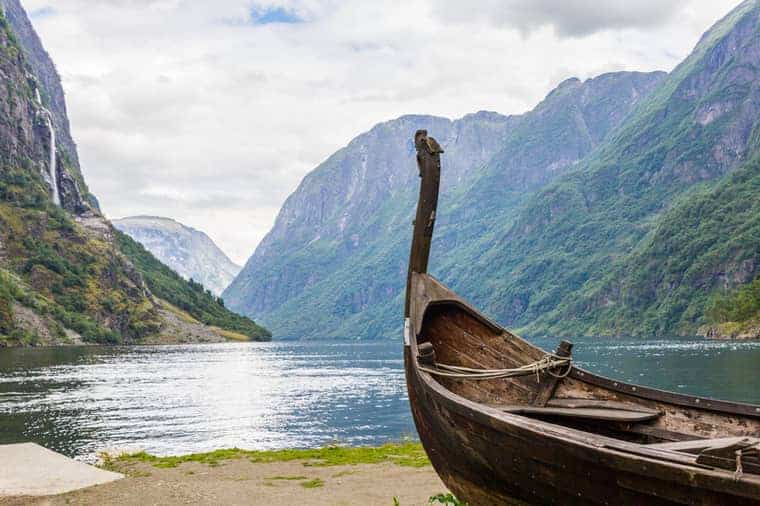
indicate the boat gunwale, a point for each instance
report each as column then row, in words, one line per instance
column 577, row 373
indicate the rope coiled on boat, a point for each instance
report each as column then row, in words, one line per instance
column 547, row 364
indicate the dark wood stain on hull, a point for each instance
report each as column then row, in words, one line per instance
column 584, row 440
column 486, row 465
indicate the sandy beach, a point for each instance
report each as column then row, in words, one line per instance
column 241, row 480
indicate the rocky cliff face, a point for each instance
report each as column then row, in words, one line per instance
column 189, row 252
column 337, row 253
column 334, row 212
column 71, row 277
column 44, row 78
column 66, row 275
column 565, row 127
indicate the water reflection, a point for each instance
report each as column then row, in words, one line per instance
column 180, row 399
column 185, row 398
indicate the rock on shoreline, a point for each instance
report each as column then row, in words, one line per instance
column 730, row 331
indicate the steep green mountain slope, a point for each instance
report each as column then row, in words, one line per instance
column 63, row 274
column 584, row 256
column 44, row 72
column 190, row 296
column 708, row 242
column 345, row 208
column 334, row 264
column 563, row 129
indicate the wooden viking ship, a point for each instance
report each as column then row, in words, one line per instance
column 504, row 422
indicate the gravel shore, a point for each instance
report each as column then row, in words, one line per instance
column 242, row 482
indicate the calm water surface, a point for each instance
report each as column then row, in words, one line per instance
column 180, row 399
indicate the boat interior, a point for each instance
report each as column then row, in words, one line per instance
column 630, row 418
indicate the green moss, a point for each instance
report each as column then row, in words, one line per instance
column 404, row 454
column 108, row 463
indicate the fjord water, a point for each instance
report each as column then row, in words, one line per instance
column 182, row 399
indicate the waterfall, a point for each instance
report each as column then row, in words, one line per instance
column 53, row 165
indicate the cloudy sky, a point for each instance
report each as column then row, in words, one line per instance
column 211, row 112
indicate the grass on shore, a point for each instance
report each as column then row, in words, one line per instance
column 315, row 483
column 188, row 318
column 230, row 335
column 304, row 481
column 408, row 454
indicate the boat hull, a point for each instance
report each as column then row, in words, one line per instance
column 486, row 460
column 590, row 440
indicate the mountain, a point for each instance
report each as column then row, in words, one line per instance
column 584, row 216
column 191, row 253
column 338, row 209
column 619, row 245
column 338, row 251
column 66, row 275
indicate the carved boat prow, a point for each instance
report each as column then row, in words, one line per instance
column 505, row 422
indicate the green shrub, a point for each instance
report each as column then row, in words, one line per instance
column 736, row 306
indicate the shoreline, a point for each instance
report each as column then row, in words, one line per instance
column 720, row 333
column 394, row 473
column 86, row 344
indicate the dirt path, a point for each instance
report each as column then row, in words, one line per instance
column 238, row 482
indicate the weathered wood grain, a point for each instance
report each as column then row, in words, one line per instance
column 429, row 163
column 545, row 390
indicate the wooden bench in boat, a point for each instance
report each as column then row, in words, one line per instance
column 731, row 453
column 718, row 453
column 699, row 445
column 588, row 409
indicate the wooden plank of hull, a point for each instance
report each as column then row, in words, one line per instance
column 486, row 465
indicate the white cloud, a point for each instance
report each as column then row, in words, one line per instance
column 569, row 18
column 190, row 109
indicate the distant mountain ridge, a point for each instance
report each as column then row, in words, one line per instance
column 549, row 227
column 190, row 252
column 339, row 246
